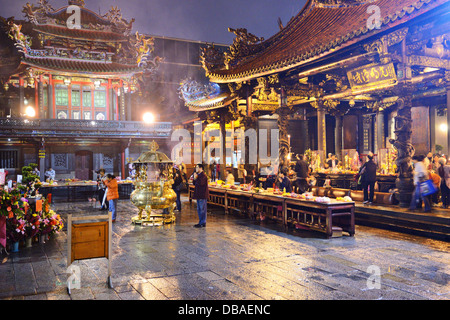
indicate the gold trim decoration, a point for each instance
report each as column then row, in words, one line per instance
column 372, row 76
column 426, row 61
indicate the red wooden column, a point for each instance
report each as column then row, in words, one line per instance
column 21, row 96
column 37, row 103
column 51, row 98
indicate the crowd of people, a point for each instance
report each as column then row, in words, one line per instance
column 430, row 167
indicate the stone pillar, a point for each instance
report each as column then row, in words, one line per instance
column 223, row 147
column 432, row 116
column 405, row 149
column 321, row 129
column 379, row 131
column 283, row 112
column 338, row 136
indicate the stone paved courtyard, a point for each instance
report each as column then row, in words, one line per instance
column 233, row 258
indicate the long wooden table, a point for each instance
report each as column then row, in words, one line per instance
column 322, row 217
column 81, row 191
column 347, row 180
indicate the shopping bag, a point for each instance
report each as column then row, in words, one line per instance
column 427, row 187
column 104, row 198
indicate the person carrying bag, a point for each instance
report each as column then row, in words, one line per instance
column 422, row 185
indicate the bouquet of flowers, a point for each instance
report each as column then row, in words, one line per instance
column 12, row 203
column 15, row 229
column 32, row 224
column 55, row 221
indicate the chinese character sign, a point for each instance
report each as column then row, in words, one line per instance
column 370, row 76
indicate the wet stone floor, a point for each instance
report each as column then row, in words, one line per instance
column 233, row 258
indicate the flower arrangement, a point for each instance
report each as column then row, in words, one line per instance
column 32, row 224
column 12, row 203
column 23, row 221
column 15, row 229
column 50, row 221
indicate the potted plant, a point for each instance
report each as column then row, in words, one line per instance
column 30, row 179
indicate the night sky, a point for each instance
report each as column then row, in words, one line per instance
column 201, row 20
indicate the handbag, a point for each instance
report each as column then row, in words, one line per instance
column 181, row 186
column 427, row 188
column 362, row 175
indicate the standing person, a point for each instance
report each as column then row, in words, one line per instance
column 214, row 171
column 428, row 161
column 420, row 175
column 177, row 184
column 101, row 188
column 200, row 194
column 444, row 173
column 242, row 174
column 301, row 168
column 434, row 198
column 112, row 194
column 369, row 177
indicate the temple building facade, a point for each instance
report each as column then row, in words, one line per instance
column 341, row 77
column 68, row 91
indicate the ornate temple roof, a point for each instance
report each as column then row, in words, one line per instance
column 321, row 28
column 98, row 44
column 73, row 66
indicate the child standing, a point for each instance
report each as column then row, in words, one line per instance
column 112, row 194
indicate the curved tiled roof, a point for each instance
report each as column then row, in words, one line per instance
column 319, row 30
column 82, row 67
column 219, row 101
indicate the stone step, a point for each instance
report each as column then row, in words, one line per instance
column 430, row 225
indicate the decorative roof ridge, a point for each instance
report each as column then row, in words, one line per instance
column 39, row 27
column 89, row 11
column 335, row 4
column 307, row 8
column 45, row 14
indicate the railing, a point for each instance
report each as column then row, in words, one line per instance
column 85, row 128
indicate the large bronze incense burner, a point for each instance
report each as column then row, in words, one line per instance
column 153, row 194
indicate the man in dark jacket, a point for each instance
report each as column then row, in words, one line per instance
column 200, row 194
column 368, row 178
column 301, row 168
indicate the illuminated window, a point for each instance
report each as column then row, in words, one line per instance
column 61, row 95
column 99, row 99
column 87, row 97
column 76, row 96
